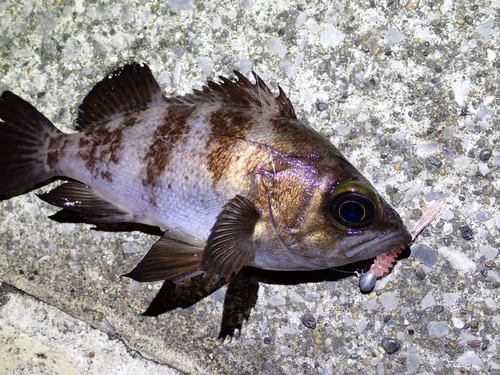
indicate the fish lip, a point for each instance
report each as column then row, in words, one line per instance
column 387, row 242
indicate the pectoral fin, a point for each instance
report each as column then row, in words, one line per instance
column 176, row 256
column 230, row 246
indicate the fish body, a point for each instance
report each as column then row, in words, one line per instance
column 228, row 172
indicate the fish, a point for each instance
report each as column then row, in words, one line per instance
column 228, row 173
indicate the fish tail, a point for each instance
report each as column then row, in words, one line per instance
column 24, row 132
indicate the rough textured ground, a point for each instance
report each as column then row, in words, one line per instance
column 408, row 91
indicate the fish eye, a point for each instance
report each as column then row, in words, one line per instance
column 353, row 205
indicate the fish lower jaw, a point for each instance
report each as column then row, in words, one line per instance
column 379, row 245
column 287, row 265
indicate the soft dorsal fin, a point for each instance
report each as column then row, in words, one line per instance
column 242, row 93
column 128, row 89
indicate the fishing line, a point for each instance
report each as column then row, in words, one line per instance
column 358, row 272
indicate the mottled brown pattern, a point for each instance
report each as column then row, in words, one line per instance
column 129, row 121
column 295, row 138
column 56, row 150
column 227, row 125
column 165, row 139
column 101, row 146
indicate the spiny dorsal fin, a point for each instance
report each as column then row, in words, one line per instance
column 242, row 93
column 128, row 89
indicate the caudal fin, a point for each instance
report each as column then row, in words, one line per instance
column 23, row 134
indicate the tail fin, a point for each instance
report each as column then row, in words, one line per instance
column 23, row 135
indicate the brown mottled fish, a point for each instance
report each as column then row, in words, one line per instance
column 228, row 172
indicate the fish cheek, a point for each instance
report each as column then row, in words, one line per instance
column 314, row 235
column 287, row 197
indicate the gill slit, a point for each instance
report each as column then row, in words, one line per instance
column 271, row 158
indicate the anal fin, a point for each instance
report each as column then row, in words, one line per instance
column 76, row 196
column 176, row 256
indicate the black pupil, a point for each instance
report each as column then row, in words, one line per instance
column 352, row 212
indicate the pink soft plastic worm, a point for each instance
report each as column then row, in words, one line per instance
column 384, row 262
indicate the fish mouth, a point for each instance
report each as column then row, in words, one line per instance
column 380, row 245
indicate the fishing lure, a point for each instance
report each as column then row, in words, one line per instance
column 384, row 262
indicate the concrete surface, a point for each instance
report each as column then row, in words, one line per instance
column 408, row 91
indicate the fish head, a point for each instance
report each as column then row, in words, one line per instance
column 328, row 215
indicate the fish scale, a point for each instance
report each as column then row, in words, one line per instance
column 162, row 200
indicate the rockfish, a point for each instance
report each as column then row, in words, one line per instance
column 228, row 172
